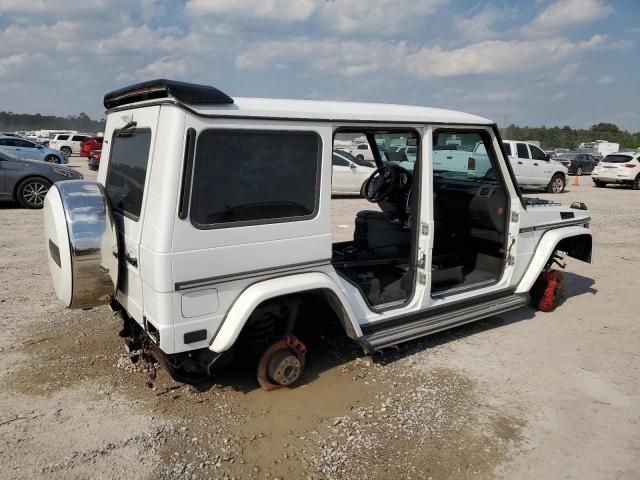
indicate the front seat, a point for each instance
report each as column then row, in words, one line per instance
column 382, row 235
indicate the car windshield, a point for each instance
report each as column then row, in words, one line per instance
column 351, row 158
column 617, row 159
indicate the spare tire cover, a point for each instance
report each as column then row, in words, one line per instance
column 81, row 243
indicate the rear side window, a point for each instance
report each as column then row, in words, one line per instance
column 522, row 150
column 507, row 147
column 251, row 177
column 78, row 138
column 128, row 170
column 62, row 137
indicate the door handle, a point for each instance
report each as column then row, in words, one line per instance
column 519, row 163
column 535, row 163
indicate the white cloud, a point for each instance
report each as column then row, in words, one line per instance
column 605, row 79
column 496, row 56
column 376, row 17
column 280, row 10
column 497, row 96
column 356, row 58
column 558, row 96
column 9, row 64
column 567, row 13
column 51, row 6
column 480, row 26
column 166, row 66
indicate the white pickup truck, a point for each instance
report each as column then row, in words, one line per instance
column 532, row 167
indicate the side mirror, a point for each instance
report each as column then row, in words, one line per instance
column 547, row 157
column 353, row 166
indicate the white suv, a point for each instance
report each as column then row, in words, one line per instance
column 209, row 229
column 68, row 143
column 620, row 168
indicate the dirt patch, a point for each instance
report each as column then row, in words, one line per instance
column 355, row 417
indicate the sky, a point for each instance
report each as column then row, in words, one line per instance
column 535, row 62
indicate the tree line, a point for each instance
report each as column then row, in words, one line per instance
column 11, row 122
column 567, row 137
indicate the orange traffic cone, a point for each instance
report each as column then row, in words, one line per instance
column 576, row 180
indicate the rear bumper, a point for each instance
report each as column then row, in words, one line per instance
column 612, row 179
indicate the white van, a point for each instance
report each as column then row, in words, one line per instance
column 209, row 229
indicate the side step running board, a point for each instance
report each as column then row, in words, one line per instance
column 414, row 327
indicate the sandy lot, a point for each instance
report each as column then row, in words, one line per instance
column 525, row 395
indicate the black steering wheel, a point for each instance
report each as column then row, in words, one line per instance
column 380, row 184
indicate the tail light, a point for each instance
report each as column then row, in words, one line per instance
column 630, row 165
column 566, row 163
column 471, row 163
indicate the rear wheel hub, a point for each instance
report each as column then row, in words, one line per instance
column 281, row 365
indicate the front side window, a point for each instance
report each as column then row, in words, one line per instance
column 78, row 138
column 339, row 161
column 536, row 153
column 246, row 177
column 62, row 137
column 463, row 155
column 128, row 170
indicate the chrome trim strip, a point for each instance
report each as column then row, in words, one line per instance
column 202, row 282
column 549, row 226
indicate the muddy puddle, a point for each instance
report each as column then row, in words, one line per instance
column 351, row 417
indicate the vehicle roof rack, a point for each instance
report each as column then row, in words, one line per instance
column 189, row 93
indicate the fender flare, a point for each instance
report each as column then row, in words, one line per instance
column 259, row 292
column 545, row 248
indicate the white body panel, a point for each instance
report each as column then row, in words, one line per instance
column 190, row 279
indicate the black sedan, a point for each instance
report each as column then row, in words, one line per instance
column 28, row 181
column 578, row 163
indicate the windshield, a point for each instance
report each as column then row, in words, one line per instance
column 398, row 148
column 617, row 159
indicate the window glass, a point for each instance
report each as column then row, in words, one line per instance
column 507, row 147
column 5, row 142
column 340, row 162
column 398, row 148
column 128, row 170
column 78, row 138
column 363, row 146
column 536, row 153
column 23, row 144
column 462, row 155
column 254, row 176
column 522, row 150
column 617, row 158
column 63, row 137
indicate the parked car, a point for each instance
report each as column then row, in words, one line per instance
column 348, row 176
column 578, row 163
column 31, row 150
column 534, row 168
column 28, row 181
column 356, row 160
column 94, row 160
column 620, row 168
column 217, row 241
column 90, row 144
column 67, row 143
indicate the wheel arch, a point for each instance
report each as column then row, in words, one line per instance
column 575, row 241
column 271, row 289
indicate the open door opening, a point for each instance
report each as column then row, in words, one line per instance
column 380, row 256
column 471, row 211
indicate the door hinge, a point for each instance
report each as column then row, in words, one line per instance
column 425, row 229
column 422, row 278
column 515, row 216
column 422, row 263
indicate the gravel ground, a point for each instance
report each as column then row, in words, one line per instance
column 524, row 395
